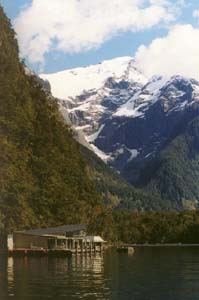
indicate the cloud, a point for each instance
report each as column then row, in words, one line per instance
column 177, row 53
column 74, row 26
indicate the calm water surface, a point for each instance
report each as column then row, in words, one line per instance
column 151, row 274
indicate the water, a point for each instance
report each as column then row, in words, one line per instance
column 150, row 274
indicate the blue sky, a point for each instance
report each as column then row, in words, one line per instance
column 119, row 44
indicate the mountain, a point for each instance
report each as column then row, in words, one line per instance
column 129, row 119
column 92, row 78
column 46, row 177
column 173, row 174
column 90, row 96
column 148, row 121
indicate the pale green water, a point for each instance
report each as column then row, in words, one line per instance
column 151, row 274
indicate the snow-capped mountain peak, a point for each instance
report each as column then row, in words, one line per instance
column 74, row 82
column 126, row 117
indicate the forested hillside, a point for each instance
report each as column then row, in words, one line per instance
column 43, row 175
column 174, row 174
column 46, row 177
column 148, row 227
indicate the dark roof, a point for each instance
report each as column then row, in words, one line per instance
column 55, row 230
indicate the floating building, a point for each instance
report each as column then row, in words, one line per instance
column 69, row 239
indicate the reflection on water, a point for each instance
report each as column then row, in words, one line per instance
column 10, row 274
column 79, row 277
column 151, row 274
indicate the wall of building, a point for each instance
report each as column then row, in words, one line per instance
column 23, row 241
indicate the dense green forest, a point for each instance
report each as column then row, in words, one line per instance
column 147, row 227
column 46, row 177
column 43, row 176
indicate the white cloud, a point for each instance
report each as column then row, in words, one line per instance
column 176, row 53
column 80, row 25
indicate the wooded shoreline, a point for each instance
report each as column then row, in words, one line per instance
column 162, row 245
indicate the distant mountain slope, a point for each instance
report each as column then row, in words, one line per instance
column 127, row 118
column 174, row 173
column 150, row 123
column 116, row 192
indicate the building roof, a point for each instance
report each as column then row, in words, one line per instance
column 61, row 230
column 95, row 239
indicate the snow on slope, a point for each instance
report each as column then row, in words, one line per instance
column 136, row 106
column 74, row 82
column 99, row 99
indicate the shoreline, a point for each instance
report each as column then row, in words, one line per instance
column 160, row 245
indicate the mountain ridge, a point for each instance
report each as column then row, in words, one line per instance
column 128, row 122
column 118, row 98
column 91, row 77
